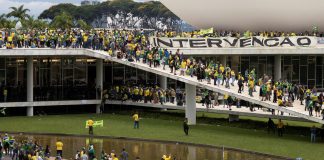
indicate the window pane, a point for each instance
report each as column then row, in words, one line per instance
column 287, row 60
column 80, row 72
column 56, row 74
column 311, row 71
column 118, row 75
column 295, row 74
column 303, row 75
column 130, row 75
column 303, row 60
column 319, row 71
column 108, row 73
column 68, row 77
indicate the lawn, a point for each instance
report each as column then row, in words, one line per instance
column 167, row 127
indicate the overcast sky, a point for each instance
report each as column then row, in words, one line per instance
column 36, row 6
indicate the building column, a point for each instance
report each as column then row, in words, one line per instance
column 191, row 103
column 99, row 82
column 223, row 60
column 277, row 67
column 163, row 82
column 164, row 85
column 30, row 85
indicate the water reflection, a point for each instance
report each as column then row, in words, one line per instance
column 143, row 149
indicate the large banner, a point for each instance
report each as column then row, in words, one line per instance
column 230, row 42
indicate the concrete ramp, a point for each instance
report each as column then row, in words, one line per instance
column 297, row 110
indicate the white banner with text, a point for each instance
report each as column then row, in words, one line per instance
column 231, row 42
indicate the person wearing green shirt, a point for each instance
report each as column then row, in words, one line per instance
column 219, row 78
column 215, row 77
column 310, row 108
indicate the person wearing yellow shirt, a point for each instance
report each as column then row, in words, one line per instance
column 1, row 39
column 168, row 157
column 280, row 127
column 110, row 52
column 9, row 41
column 26, row 40
column 85, row 40
column 188, row 62
column 136, row 94
column 138, row 55
column 215, row 76
column 74, row 41
column 183, row 67
column 129, row 38
column 221, row 68
column 141, row 93
column 232, row 77
column 42, row 40
column 33, row 157
column 136, row 120
column 251, row 86
column 225, row 99
column 146, row 95
column 59, row 148
column 150, row 58
column 280, row 102
column 90, row 125
column 115, row 158
column 279, row 94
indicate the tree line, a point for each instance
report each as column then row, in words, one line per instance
column 120, row 14
column 20, row 14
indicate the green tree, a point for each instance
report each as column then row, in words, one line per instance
column 63, row 20
column 3, row 20
column 58, row 9
column 32, row 23
column 122, row 13
column 6, row 23
column 20, row 13
column 83, row 25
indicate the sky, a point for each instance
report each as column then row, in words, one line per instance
column 36, row 6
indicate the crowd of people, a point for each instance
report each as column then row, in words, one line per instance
column 237, row 34
column 145, row 93
column 32, row 150
column 101, row 39
column 73, row 38
column 104, row 39
column 22, row 150
column 282, row 92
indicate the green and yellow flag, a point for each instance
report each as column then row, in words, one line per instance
column 206, row 31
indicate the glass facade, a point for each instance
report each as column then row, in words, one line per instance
column 74, row 78
column 262, row 64
column 306, row 70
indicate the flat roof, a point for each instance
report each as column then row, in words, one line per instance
column 20, row 52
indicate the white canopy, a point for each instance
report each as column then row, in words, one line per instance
column 254, row 15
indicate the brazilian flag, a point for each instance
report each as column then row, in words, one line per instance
column 206, row 31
